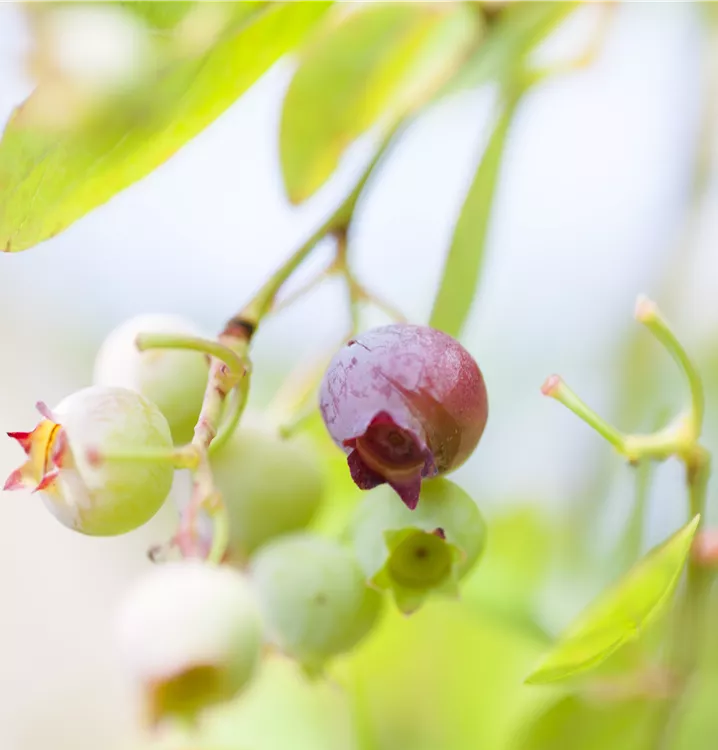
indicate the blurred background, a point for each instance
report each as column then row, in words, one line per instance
column 608, row 189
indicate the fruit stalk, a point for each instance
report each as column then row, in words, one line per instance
column 231, row 349
column 223, row 378
column 687, row 638
column 680, row 439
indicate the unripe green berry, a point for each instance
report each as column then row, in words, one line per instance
column 190, row 634
column 97, row 497
column 270, row 486
column 314, row 598
column 415, row 553
column 173, row 379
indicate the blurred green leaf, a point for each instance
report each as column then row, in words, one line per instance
column 372, row 65
column 507, row 582
column 576, row 723
column 159, row 14
column 462, row 270
column 50, row 179
column 520, row 28
column 314, row 714
column 438, row 680
column 620, row 613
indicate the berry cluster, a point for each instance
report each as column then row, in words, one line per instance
column 406, row 403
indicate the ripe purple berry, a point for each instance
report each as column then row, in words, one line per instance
column 405, row 402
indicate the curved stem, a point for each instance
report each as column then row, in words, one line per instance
column 262, row 302
column 647, row 313
column 302, row 291
column 204, row 495
column 220, row 532
column 556, row 388
column 215, row 349
column 232, row 414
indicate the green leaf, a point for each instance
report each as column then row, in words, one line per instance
column 576, row 723
column 159, row 14
column 518, row 557
column 50, row 179
column 620, row 613
column 372, row 65
column 518, row 31
column 462, row 269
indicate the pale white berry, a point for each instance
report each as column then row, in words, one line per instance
column 190, row 635
column 173, row 379
column 70, row 460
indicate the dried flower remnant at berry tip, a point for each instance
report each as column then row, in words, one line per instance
column 405, row 403
column 416, row 554
column 98, row 499
column 190, row 636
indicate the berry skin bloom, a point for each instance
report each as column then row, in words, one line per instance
column 190, row 635
column 404, row 402
column 313, row 597
column 100, row 498
column 173, row 379
column 271, row 486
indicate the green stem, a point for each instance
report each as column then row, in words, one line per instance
column 235, row 404
column 629, row 547
column 698, row 577
column 556, row 388
column 184, row 457
column 220, row 532
column 647, row 313
column 215, row 349
column 263, row 300
column 689, row 625
column 658, row 445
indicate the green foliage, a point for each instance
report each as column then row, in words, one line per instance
column 56, row 178
column 514, row 567
column 502, row 58
column 574, row 722
column 462, row 270
column 438, row 680
column 159, row 14
column 518, row 31
column 621, row 613
column 373, row 65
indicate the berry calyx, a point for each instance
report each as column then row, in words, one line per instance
column 173, row 379
column 314, row 598
column 270, row 486
column 405, row 403
column 416, row 553
column 191, row 635
column 106, row 498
